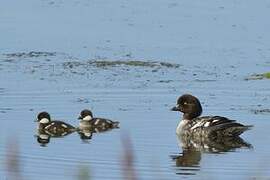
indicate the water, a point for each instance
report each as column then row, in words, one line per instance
column 47, row 62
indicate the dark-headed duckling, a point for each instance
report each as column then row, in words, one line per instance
column 53, row 128
column 96, row 124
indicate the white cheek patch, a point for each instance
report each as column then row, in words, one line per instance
column 87, row 118
column 44, row 121
column 64, row 126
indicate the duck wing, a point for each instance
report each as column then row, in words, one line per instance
column 59, row 128
column 218, row 126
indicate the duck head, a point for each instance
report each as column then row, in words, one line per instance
column 86, row 115
column 189, row 105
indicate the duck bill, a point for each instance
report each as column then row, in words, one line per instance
column 80, row 117
column 175, row 108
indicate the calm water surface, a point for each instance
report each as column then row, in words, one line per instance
column 47, row 63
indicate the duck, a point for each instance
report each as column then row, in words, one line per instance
column 197, row 126
column 87, row 121
column 54, row 128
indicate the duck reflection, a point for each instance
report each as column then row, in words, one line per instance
column 214, row 144
column 43, row 137
column 85, row 135
column 87, row 129
column 188, row 162
column 188, row 158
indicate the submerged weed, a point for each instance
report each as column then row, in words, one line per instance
column 31, row 54
column 261, row 111
column 108, row 64
column 259, row 76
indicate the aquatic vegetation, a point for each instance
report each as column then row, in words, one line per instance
column 259, row 76
column 108, row 64
column 5, row 109
column 165, row 81
column 83, row 100
column 31, row 54
column 261, row 111
column 267, row 75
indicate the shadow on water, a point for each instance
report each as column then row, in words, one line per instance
column 188, row 162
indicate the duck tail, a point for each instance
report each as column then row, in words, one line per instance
column 238, row 129
column 115, row 124
column 232, row 129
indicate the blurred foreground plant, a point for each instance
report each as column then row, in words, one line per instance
column 13, row 164
column 128, row 169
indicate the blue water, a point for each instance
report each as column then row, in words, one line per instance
column 216, row 45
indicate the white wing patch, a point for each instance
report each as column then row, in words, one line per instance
column 64, row 126
column 97, row 121
column 48, row 132
column 199, row 124
column 206, row 124
column 47, row 127
column 215, row 120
